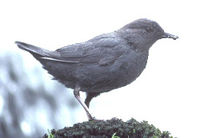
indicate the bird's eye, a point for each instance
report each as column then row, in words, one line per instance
column 149, row 29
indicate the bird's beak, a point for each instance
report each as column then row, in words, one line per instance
column 167, row 35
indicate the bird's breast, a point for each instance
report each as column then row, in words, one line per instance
column 129, row 67
column 123, row 71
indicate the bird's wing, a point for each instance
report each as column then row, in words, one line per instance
column 102, row 50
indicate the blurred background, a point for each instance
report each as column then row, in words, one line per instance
column 30, row 104
column 167, row 94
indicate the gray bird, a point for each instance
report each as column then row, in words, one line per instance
column 103, row 63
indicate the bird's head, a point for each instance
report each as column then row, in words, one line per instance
column 146, row 31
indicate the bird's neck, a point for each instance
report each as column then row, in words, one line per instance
column 135, row 40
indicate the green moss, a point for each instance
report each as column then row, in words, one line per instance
column 114, row 128
column 50, row 134
column 114, row 136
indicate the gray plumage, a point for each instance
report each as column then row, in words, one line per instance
column 104, row 63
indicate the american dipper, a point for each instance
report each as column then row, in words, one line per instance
column 103, row 63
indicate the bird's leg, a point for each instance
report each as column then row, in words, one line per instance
column 77, row 96
column 89, row 98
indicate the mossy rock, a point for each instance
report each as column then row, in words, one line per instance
column 114, row 128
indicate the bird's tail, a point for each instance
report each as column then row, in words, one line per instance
column 33, row 49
